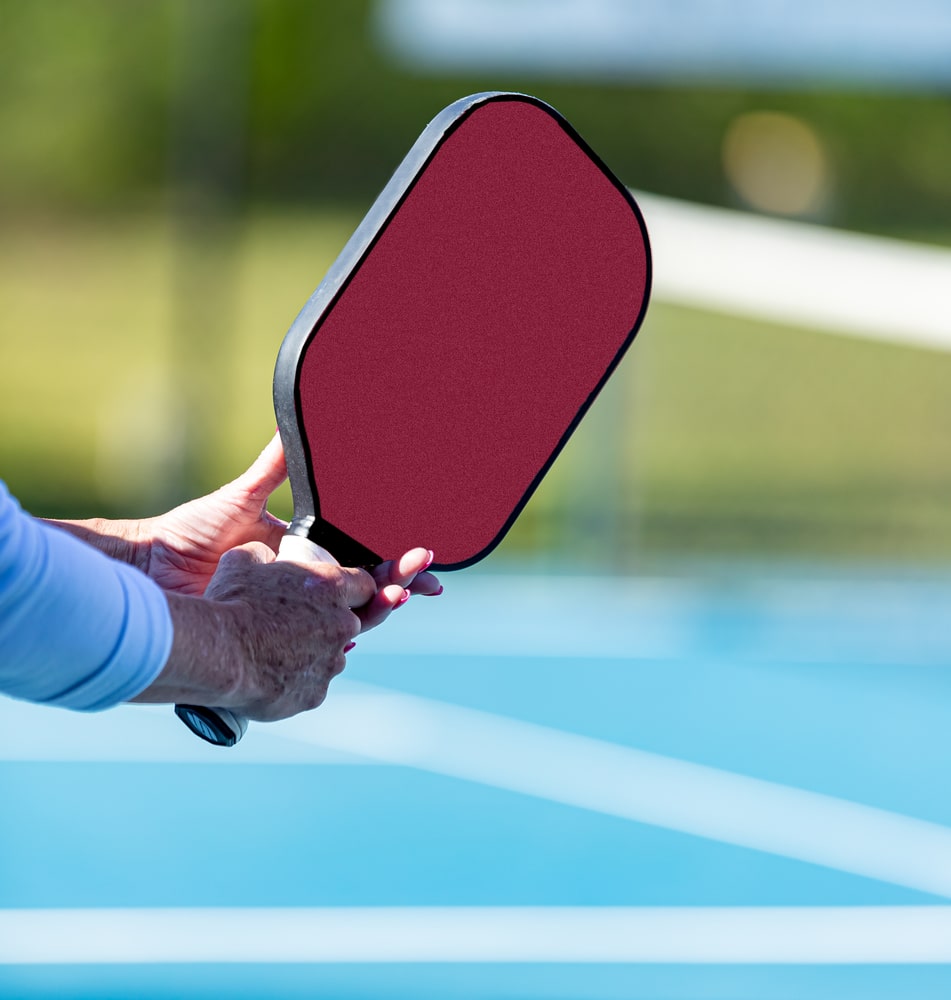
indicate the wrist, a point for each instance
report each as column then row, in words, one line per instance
column 206, row 665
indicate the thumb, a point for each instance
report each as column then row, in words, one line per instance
column 265, row 474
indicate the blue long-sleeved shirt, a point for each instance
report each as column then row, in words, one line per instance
column 77, row 629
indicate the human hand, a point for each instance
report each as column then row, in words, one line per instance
column 266, row 638
column 396, row 579
column 268, row 635
column 184, row 546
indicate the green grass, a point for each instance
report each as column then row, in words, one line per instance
column 794, row 440
column 718, row 436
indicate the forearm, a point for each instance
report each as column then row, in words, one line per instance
column 126, row 541
column 206, row 665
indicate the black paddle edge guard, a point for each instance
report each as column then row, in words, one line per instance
column 304, row 328
column 346, row 550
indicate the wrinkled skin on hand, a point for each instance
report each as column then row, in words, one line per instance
column 260, row 635
column 292, row 624
column 185, row 545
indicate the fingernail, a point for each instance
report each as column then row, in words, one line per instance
column 429, row 561
column 348, row 647
column 436, row 593
column 403, row 599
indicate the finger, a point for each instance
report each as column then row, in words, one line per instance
column 267, row 529
column 272, row 530
column 404, row 570
column 384, row 602
column 427, row 585
column 359, row 588
column 266, row 472
column 274, row 521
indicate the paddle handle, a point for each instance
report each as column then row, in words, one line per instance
column 221, row 726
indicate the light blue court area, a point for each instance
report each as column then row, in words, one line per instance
column 733, row 785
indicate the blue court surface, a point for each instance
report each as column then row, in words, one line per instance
column 732, row 785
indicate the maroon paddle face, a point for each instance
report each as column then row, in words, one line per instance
column 464, row 331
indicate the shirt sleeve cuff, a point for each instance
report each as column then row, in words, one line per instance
column 141, row 651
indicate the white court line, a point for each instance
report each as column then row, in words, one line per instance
column 629, row 783
column 798, row 273
column 717, row 935
column 361, row 723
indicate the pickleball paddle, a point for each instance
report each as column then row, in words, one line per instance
column 491, row 290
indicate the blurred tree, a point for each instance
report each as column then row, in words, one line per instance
column 83, row 102
column 87, row 91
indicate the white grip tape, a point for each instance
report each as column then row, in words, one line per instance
column 297, row 548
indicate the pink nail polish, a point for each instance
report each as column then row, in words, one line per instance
column 348, row 647
column 403, row 599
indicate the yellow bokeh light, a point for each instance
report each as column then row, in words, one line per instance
column 776, row 163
